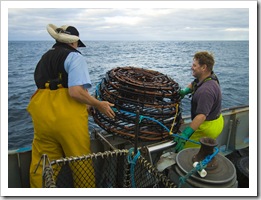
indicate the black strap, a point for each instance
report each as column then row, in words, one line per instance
column 195, row 85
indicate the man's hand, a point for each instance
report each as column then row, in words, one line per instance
column 184, row 92
column 180, row 141
column 80, row 94
column 89, row 109
column 105, row 108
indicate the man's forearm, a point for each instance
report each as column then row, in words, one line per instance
column 81, row 95
column 197, row 121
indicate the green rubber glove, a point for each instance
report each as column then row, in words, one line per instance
column 186, row 134
column 184, row 92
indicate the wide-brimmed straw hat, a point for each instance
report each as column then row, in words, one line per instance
column 65, row 34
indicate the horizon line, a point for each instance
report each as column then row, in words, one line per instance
column 127, row 40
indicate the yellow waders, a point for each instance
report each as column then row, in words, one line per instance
column 211, row 129
column 60, row 130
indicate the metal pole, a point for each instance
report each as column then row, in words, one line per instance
column 137, row 130
column 229, row 133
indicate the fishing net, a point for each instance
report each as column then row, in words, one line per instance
column 109, row 169
column 151, row 95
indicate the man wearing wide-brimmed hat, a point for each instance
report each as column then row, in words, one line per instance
column 58, row 107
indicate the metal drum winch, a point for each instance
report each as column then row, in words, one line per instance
column 219, row 172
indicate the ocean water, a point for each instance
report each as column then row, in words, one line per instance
column 173, row 58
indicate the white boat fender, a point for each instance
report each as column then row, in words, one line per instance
column 203, row 173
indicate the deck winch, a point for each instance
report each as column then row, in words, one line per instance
column 132, row 89
column 180, row 167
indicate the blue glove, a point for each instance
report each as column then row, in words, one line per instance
column 184, row 92
column 186, row 134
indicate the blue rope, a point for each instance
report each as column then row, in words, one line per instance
column 144, row 117
column 210, row 157
column 133, row 163
column 97, row 91
column 154, row 120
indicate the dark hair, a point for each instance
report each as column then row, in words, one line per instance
column 205, row 58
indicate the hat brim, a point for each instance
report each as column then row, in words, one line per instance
column 80, row 44
column 62, row 37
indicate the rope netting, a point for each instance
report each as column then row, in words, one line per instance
column 109, row 169
column 154, row 94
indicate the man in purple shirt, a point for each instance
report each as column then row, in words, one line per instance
column 207, row 120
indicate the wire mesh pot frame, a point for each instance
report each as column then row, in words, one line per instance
column 155, row 95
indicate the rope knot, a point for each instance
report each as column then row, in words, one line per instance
column 141, row 118
column 133, row 161
column 135, row 158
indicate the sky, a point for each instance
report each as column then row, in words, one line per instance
column 147, row 21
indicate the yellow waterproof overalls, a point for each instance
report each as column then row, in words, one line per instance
column 60, row 130
column 210, row 129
